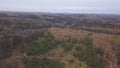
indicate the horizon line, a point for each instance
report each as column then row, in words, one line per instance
column 58, row 12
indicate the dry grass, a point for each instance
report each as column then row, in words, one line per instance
column 63, row 33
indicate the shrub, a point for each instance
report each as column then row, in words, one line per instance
column 67, row 47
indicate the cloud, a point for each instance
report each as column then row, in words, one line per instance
column 95, row 6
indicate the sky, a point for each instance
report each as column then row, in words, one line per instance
column 62, row 6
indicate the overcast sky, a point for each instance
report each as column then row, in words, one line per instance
column 62, row 6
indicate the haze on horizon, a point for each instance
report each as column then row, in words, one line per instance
column 62, row 6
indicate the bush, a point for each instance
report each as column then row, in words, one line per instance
column 67, row 47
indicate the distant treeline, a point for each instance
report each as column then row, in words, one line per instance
column 101, row 31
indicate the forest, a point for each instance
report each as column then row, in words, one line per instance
column 58, row 40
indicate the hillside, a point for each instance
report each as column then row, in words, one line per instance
column 56, row 40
